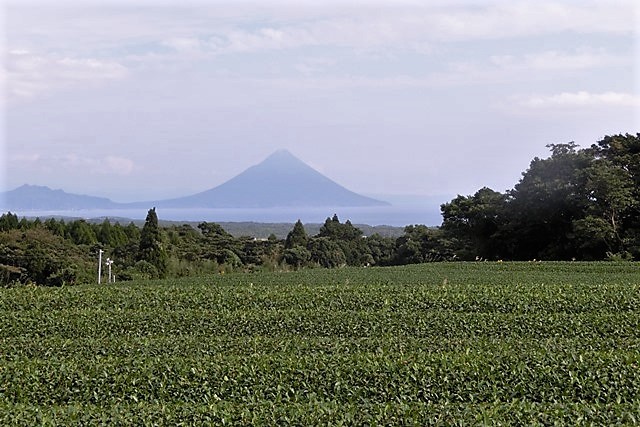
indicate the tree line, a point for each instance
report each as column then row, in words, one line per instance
column 581, row 204
column 54, row 252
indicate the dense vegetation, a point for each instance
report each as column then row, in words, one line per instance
column 54, row 252
column 578, row 204
column 434, row 344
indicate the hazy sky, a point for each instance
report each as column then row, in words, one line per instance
column 136, row 100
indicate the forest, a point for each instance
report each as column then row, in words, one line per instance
column 577, row 204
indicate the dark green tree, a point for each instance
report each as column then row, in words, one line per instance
column 126, row 254
column 38, row 256
column 334, row 230
column 25, row 224
column 212, row 229
column 217, row 243
column 297, row 236
column 610, row 191
column 9, row 221
column 56, row 227
column 326, row 253
column 544, row 205
column 578, row 203
column 133, row 232
column 615, row 188
column 119, row 237
column 109, row 235
column 420, row 244
column 186, row 243
column 151, row 247
column 348, row 237
column 473, row 221
column 81, row 233
column 297, row 257
column 593, row 237
column 381, row 249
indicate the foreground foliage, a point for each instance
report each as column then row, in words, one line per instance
column 436, row 344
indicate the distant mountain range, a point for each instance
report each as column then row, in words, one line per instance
column 281, row 180
column 37, row 198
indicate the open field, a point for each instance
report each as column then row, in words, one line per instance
column 435, row 344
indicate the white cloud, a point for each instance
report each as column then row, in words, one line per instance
column 119, row 165
column 558, row 61
column 25, row 157
column 29, row 74
column 414, row 27
column 184, row 44
column 81, row 165
column 313, row 65
column 528, row 18
column 339, row 83
column 581, row 99
column 109, row 165
column 198, row 30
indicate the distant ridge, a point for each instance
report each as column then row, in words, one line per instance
column 281, row 180
column 37, row 197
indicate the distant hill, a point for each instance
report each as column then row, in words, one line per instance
column 36, row 197
column 281, row 180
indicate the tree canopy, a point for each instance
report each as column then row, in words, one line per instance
column 576, row 204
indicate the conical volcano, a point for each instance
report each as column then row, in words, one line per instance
column 281, row 180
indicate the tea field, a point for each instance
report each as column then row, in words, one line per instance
column 434, row 344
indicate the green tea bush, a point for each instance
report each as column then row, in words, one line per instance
column 436, row 344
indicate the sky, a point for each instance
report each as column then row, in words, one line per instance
column 143, row 100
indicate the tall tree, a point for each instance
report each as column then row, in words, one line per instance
column 81, row 233
column 56, row 227
column 618, row 185
column 297, row 236
column 610, row 189
column 544, row 205
column 9, row 221
column 151, row 249
column 334, row 230
column 472, row 222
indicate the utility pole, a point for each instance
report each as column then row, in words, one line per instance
column 109, row 262
column 100, row 252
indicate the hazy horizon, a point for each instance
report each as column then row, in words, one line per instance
column 149, row 100
column 397, row 199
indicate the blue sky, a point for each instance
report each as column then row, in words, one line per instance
column 145, row 99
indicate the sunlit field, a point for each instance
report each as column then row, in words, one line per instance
column 434, row 344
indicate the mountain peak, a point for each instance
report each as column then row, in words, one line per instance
column 282, row 152
column 33, row 187
column 280, row 180
column 282, row 156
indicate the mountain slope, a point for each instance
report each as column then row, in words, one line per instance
column 281, row 180
column 36, row 197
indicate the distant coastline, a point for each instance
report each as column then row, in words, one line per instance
column 397, row 216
